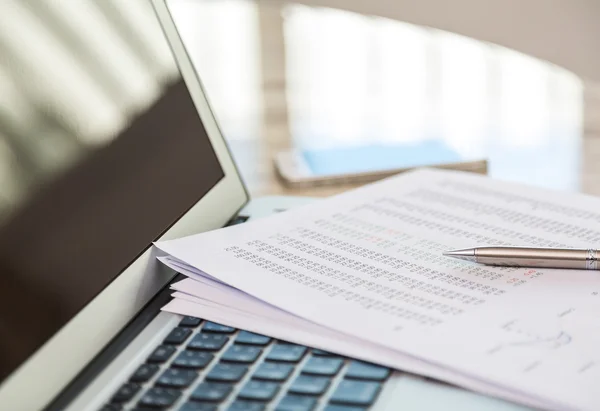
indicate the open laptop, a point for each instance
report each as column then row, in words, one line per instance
column 81, row 289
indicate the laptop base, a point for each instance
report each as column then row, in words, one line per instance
column 122, row 359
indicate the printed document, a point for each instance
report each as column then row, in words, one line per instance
column 208, row 299
column 374, row 256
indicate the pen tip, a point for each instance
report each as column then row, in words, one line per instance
column 464, row 254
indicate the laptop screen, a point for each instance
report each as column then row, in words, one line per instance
column 101, row 150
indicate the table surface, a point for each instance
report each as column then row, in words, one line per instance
column 314, row 77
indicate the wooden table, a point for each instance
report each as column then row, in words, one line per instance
column 285, row 76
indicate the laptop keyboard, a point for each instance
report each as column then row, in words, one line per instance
column 205, row 366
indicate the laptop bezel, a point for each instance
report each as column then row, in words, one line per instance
column 52, row 367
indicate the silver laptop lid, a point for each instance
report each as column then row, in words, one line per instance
column 105, row 146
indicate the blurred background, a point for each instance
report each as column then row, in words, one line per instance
column 515, row 82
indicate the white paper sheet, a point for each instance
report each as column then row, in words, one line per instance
column 236, row 309
column 374, row 254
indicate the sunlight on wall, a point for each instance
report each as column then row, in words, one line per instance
column 524, row 99
column 464, row 92
column 326, row 54
column 222, row 38
column 424, row 83
column 401, row 76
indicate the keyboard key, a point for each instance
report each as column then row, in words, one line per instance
column 208, row 342
column 335, row 407
column 296, row 403
column 361, row 393
column 189, row 321
column 240, row 405
column 174, row 378
column 217, row 328
column 227, row 372
column 144, row 373
column 240, row 353
column 211, row 391
column 246, row 337
column 363, row 371
column 177, row 336
column 273, row 371
column 111, row 407
column 198, row 406
column 286, row 353
column 125, row 393
column 259, row 391
column 159, row 398
column 193, row 359
column 321, row 353
column 309, row 385
column 323, row 366
column 238, row 220
column 161, row 354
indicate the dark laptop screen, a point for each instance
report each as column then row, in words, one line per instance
column 101, row 150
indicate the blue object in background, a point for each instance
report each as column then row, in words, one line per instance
column 372, row 158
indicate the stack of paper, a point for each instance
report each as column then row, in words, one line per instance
column 373, row 256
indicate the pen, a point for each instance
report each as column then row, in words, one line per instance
column 571, row 258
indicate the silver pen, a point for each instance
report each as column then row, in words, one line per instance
column 571, row 258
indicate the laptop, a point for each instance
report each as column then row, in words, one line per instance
column 80, row 286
